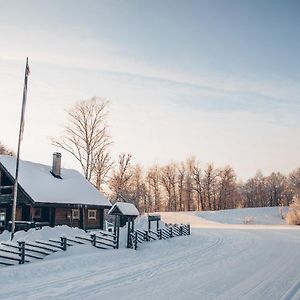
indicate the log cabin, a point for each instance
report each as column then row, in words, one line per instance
column 50, row 195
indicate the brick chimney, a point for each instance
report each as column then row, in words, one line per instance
column 56, row 165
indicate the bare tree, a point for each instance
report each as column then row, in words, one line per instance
column 168, row 181
column 255, row 191
column 189, row 184
column 198, row 186
column 227, row 188
column 103, row 164
column 119, row 180
column 294, row 179
column 86, row 137
column 154, row 190
column 209, row 179
column 137, row 189
column 181, row 177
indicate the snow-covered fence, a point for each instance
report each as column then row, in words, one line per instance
column 172, row 230
column 108, row 237
column 102, row 240
column 11, row 256
column 134, row 240
column 22, row 251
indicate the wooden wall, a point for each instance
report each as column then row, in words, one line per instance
column 63, row 217
column 98, row 223
column 19, row 213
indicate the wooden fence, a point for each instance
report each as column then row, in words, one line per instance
column 170, row 231
column 21, row 252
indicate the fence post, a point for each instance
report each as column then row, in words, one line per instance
column 147, row 236
column 117, row 242
column 180, row 230
column 135, row 240
column 171, row 232
column 22, row 252
column 159, row 234
column 63, row 243
column 189, row 229
column 93, row 237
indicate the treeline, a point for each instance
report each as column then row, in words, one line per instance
column 182, row 186
column 189, row 185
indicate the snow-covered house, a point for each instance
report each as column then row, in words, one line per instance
column 50, row 194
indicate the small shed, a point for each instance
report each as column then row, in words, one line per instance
column 125, row 212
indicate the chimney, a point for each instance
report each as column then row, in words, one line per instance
column 56, row 165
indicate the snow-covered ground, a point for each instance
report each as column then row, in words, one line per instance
column 218, row 261
column 257, row 216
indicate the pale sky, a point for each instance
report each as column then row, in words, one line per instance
column 219, row 80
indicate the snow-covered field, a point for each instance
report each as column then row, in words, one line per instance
column 218, row 261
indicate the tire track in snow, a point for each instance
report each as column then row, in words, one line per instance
column 115, row 279
column 293, row 292
column 145, row 273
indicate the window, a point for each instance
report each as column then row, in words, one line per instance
column 2, row 216
column 92, row 213
column 75, row 214
column 37, row 213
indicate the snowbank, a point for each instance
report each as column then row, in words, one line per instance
column 242, row 216
column 45, row 233
column 257, row 215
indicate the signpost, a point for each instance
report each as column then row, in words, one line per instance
column 153, row 218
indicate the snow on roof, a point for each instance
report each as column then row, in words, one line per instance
column 127, row 209
column 42, row 186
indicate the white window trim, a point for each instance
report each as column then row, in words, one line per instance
column 94, row 212
column 2, row 216
column 75, row 214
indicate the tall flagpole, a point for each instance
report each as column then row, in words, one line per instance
column 13, row 217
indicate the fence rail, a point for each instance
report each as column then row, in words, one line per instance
column 22, row 251
column 172, row 230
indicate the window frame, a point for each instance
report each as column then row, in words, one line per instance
column 2, row 213
column 75, row 214
column 93, row 211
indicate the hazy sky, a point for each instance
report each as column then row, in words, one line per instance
column 216, row 79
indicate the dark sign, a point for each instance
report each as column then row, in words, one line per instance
column 154, row 218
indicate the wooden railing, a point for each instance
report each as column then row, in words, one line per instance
column 22, row 251
column 102, row 240
column 170, row 231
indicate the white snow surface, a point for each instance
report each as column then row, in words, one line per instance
column 257, row 215
column 45, row 233
column 43, row 187
column 127, row 209
column 217, row 261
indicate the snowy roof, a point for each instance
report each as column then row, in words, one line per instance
column 37, row 181
column 126, row 209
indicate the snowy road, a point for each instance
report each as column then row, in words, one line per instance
column 221, row 262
